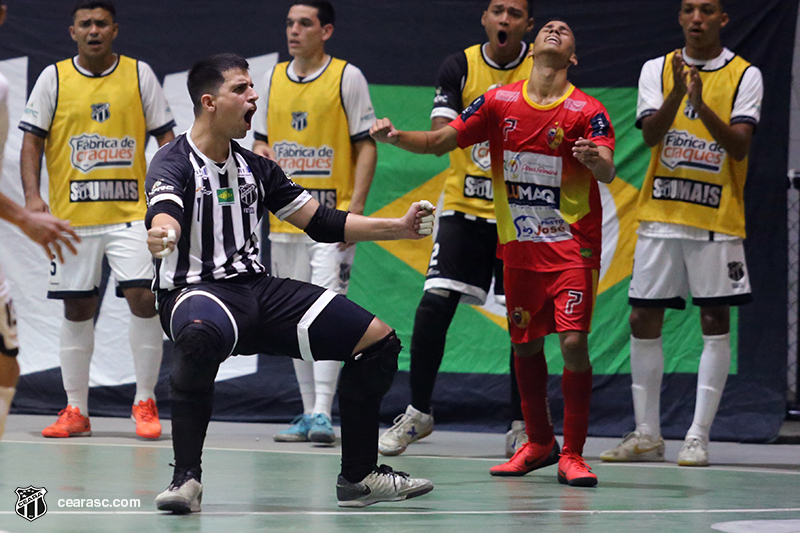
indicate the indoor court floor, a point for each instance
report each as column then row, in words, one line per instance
column 254, row 484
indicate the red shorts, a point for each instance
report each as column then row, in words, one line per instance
column 540, row 303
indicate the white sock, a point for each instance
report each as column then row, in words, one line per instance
column 326, row 376
column 715, row 363
column 647, row 369
column 6, row 396
column 147, row 343
column 77, row 345
column 304, row 371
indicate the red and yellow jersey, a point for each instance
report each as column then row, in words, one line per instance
column 547, row 204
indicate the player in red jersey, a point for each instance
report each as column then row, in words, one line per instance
column 550, row 144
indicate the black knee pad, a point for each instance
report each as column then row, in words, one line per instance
column 196, row 357
column 199, row 307
column 371, row 372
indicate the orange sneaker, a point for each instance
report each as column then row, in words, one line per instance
column 70, row 423
column 528, row 457
column 573, row 470
column 146, row 417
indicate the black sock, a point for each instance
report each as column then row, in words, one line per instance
column 434, row 315
column 360, row 422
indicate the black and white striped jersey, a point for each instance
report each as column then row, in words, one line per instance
column 218, row 207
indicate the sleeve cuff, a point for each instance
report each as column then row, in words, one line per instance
column 170, row 208
column 158, row 132
column 643, row 115
column 261, row 137
column 30, row 128
column 359, row 136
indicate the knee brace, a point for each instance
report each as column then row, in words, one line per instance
column 371, row 372
column 196, row 357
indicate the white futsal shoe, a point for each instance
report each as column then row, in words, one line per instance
column 183, row 495
column 408, row 427
column 693, row 453
column 515, row 437
column 381, row 485
column 635, row 447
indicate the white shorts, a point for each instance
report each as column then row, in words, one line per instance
column 322, row 264
column 127, row 254
column 666, row 270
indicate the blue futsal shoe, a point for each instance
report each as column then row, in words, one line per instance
column 321, row 430
column 298, row 432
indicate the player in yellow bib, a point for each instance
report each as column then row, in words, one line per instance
column 90, row 116
column 463, row 259
column 698, row 108
column 315, row 125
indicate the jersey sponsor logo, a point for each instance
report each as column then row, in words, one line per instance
column 682, row 149
column 533, row 195
column 480, row 156
column 478, row 187
column 247, row 193
column 536, row 228
column 297, row 160
column 472, row 108
column 600, row 125
column 225, row 196
column 299, row 120
column 554, row 136
column 30, row 111
column 160, row 186
column 530, row 167
column 573, row 105
column 507, row 96
column 326, row 197
column 440, row 100
column 689, row 191
column 100, row 112
column 90, row 151
column 104, row 191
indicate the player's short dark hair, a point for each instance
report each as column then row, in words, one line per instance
column 527, row 5
column 94, row 4
column 207, row 75
column 325, row 12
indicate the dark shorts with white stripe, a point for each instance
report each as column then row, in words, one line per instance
column 278, row 316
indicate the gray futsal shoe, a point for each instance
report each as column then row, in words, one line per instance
column 382, row 485
column 183, row 495
column 408, row 427
column 693, row 453
column 635, row 447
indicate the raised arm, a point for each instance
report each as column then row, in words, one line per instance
column 437, row 142
column 331, row 225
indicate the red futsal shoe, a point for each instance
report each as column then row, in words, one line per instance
column 529, row 457
column 573, row 470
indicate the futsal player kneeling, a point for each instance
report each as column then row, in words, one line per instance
column 550, row 144
column 206, row 195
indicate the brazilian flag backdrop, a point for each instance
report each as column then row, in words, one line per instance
column 399, row 46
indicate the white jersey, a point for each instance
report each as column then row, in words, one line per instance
column 746, row 109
